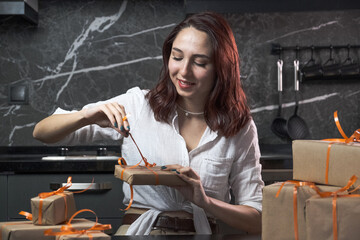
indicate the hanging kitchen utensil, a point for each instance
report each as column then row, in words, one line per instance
column 331, row 69
column 349, row 68
column 296, row 126
column 311, row 70
column 278, row 125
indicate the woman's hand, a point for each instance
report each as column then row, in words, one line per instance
column 108, row 115
column 241, row 217
column 194, row 191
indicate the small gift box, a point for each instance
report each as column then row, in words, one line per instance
column 89, row 235
column 321, row 223
column 54, row 209
column 26, row 230
column 283, row 217
column 325, row 162
column 141, row 175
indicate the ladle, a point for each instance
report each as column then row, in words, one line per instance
column 278, row 125
column 296, row 126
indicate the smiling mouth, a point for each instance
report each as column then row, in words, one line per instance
column 184, row 82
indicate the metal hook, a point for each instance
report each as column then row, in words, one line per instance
column 297, row 51
column 331, row 51
column 312, row 53
column 280, row 52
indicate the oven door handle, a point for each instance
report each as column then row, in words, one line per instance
column 105, row 186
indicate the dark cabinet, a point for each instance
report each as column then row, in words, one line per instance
column 3, row 197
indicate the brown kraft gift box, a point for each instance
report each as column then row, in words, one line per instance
column 141, row 175
column 319, row 218
column 26, row 230
column 310, row 156
column 53, row 209
column 278, row 213
column 94, row 235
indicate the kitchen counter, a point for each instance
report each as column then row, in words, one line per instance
column 190, row 237
column 28, row 160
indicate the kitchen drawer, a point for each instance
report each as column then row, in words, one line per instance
column 105, row 203
column 3, row 199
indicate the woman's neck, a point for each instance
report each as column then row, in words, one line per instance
column 190, row 106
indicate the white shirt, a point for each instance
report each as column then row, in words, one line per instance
column 222, row 163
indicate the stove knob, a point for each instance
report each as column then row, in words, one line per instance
column 63, row 151
column 102, row 151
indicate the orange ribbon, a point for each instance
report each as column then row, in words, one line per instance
column 355, row 137
column 148, row 165
column 296, row 184
column 69, row 229
column 27, row 215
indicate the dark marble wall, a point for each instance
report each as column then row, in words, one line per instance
column 85, row 51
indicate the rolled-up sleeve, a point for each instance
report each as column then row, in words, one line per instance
column 132, row 100
column 245, row 176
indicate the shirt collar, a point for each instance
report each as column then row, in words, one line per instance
column 208, row 136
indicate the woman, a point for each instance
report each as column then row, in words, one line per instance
column 195, row 121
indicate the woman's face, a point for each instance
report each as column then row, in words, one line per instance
column 191, row 65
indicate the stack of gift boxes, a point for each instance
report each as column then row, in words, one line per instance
column 52, row 217
column 322, row 200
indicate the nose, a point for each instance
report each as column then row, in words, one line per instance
column 185, row 68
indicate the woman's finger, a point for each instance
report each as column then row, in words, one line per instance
column 171, row 167
column 119, row 113
column 108, row 114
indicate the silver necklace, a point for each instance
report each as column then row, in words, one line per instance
column 187, row 113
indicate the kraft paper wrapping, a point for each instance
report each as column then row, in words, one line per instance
column 26, row 230
column 140, row 175
column 95, row 236
column 309, row 162
column 319, row 219
column 278, row 214
column 53, row 209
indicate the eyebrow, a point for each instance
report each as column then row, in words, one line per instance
column 195, row 55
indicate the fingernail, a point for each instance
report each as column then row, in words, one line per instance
column 128, row 127
column 122, row 128
column 173, row 170
column 177, row 172
column 163, row 167
column 115, row 125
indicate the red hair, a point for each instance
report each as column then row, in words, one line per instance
column 226, row 109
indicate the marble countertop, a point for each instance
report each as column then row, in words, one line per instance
column 14, row 160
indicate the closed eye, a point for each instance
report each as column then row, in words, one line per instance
column 200, row 64
column 177, row 58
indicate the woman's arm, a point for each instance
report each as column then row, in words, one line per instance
column 56, row 127
column 241, row 217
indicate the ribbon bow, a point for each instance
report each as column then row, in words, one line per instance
column 69, row 229
column 355, row 137
column 56, row 192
